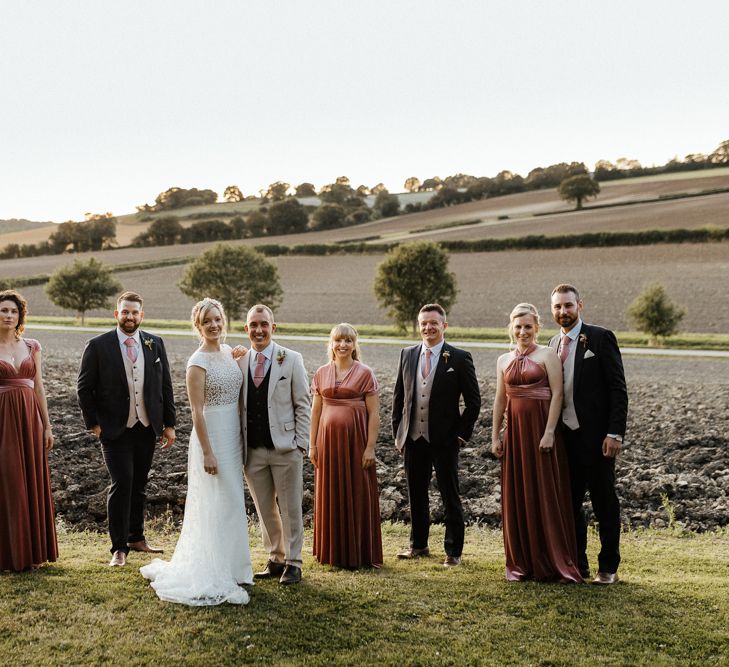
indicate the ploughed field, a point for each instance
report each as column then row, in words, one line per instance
column 339, row 288
column 676, row 457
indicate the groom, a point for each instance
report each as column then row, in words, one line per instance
column 125, row 393
column 429, row 427
column 275, row 407
column 594, row 418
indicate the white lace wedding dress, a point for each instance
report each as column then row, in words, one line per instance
column 212, row 556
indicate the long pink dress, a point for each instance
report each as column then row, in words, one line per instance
column 539, row 530
column 346, row 499
column 27, row 527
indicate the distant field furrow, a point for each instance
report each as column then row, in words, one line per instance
column 339, row 288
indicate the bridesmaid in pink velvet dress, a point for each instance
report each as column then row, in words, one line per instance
column 539, row 531
column 27, row 527
column 345, row 422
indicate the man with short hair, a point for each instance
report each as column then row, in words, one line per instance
column 275, row 407
column 429, row 427
column 594, row 418
column 125, row 392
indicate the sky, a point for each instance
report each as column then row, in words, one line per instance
column 103, row 105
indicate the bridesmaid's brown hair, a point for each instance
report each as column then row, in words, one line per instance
column 18, row 299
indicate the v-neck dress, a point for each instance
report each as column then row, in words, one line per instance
column 346, row 498
column 27, row 522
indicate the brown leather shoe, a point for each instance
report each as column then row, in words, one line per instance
column 144, row 547
column 605, row 578
column 118, row 559
column 291, row 575
column 411, row 553
column 452, row 561
column 272, row 569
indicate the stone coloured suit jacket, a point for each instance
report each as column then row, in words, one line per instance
column 289, row 401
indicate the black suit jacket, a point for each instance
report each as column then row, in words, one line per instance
column 455, row 376
column 102, row 389
column 599, row 391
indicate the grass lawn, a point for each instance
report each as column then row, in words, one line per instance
column 672, row 608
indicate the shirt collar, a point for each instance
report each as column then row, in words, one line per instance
column 267, row 352
column 574, row 331
column 122, row 337
column 433, row 350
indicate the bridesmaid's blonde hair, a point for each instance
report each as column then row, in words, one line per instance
column 344, row 330
column 520, row 310
column 201, row 309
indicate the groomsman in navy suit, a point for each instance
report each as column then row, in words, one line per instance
column 594, row 419
column 429, row 428
column 125, row 393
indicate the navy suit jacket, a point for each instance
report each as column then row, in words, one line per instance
column 103, row 392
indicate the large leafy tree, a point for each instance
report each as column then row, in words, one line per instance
column 238, row 276
column 411, row 275
column 578, row 188
column 653, row 313
column 287, row 216
column 82, row 286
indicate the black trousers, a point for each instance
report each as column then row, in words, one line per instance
column 421, row 457
column 595, row 474
column 128, row 460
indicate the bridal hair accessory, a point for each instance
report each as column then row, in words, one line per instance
column 281, row 356
column 148, row 342
column 446, row 356
column 583, row 340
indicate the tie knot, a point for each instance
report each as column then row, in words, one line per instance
column 428, row 352
column 565, row 339
column 129, row 342
column 260, row 358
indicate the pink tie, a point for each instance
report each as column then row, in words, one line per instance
column 131, row 349
column 426, row 367
column 258, row 373
column 564, row 352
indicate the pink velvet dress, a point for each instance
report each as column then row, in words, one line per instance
column 539, row 530
column 27, row 525
column 346, row 498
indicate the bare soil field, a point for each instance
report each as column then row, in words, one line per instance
column 339, row 288
column 704, row 211
column 677, row 442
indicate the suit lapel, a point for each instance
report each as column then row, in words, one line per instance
column 245, row 365
column 579, row 356
column 150, row 355
column 440, row 369
column 275, row 372
column 115, row 355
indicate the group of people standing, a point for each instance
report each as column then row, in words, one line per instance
column 558, row 420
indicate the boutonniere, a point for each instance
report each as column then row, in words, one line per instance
column 446, row 356
column 149, row 342
column 281, row 356
column 583, row 340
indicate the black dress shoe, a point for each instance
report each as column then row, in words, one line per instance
column 272, row 569
column 411, row 553
column 291, row 575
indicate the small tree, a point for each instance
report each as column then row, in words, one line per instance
column 655, row 314
column 386, row 205
column 577, row 188
column 328, row 216
column 82, row 286
column 232, row 193
column 238, row 276
column 411, row 275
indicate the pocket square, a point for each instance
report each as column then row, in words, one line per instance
column 157, row 360
column 588, row 354
column 451, row 370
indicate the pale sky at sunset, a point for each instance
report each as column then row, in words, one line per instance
column 105, row 104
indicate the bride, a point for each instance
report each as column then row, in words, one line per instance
column 212, row 557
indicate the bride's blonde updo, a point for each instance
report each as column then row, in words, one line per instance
column 520, row 310
column 201, row 309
